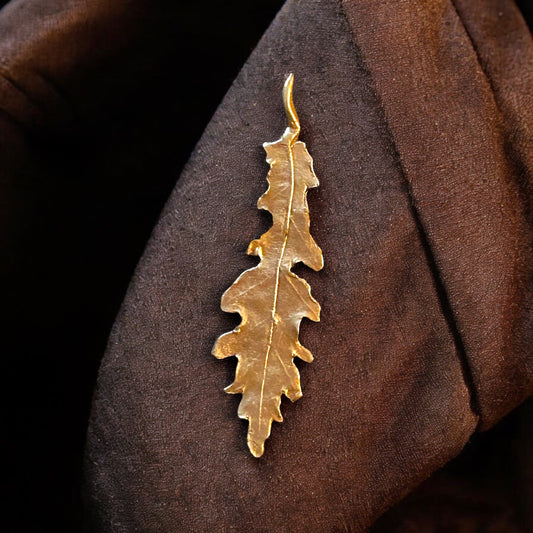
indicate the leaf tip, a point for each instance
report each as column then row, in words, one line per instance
column 255, row 248
column 293, row 394
column 256, row 448
column 234, row 388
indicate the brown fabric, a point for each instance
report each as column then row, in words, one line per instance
column 488, row 488
column 75, row 212
column 424, row 299
column 103, row 123
column 470, row 172
column 418, row 118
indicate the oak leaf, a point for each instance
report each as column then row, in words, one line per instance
column 270, row 298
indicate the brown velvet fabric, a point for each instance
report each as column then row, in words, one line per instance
column 418, row 116
column 102, row 125
column 425, row 319
column 466, row 107
column 488, row 488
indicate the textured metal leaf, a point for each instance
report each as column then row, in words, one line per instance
column 270, row 298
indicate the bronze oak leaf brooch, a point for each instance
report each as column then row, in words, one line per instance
column 270, row 298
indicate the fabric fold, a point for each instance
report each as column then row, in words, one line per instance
column 466, row 155
column 385, row 402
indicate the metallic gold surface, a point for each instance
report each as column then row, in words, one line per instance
column 271, row 299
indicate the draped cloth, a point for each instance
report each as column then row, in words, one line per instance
column 419, row 121
column 418, row 116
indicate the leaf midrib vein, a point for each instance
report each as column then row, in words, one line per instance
column 278, row 272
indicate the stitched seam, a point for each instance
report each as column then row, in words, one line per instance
column 439, row 284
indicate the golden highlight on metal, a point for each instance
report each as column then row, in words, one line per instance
column 270, row 298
